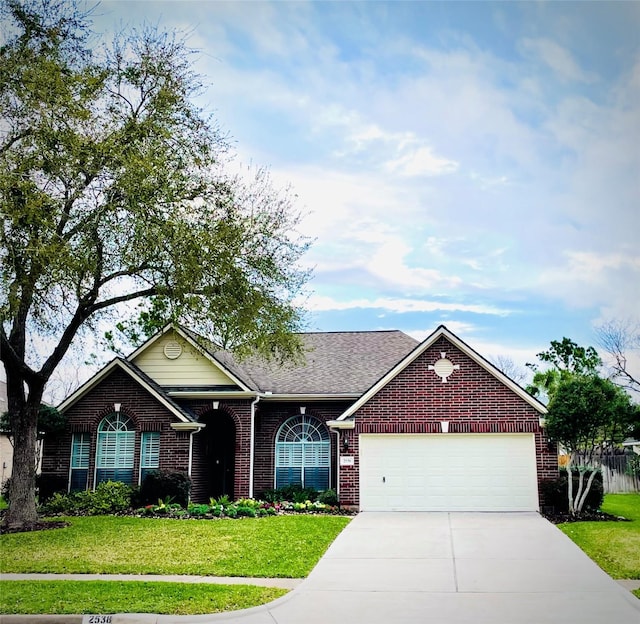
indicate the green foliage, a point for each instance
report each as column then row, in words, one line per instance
column 50, row 421
column 113, row 189
column 198, row 510
column 589, row 412
column 293, row 493
column 633, row 465
column 328, row 497
column 564, row 359
column 109, row 497
column 589, row 415
column 245, row 511
column 163, row 485
column 224, row 500
column 555, row 492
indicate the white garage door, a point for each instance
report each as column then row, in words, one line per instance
column 448, row 472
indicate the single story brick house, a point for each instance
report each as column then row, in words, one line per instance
column 390, row 423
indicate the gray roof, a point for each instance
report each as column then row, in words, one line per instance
column 334, row 363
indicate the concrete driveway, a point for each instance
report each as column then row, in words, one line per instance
column 449, row 568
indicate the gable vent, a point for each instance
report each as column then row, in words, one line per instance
column 172, row 350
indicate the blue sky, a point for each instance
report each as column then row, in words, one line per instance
column 473, row 164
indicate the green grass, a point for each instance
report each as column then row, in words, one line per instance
column 3, row 503
column 280, row 546
column 614, row 546
column 103, row 597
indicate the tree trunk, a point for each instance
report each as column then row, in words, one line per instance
column 23, row 419
column 583, row 498
column 570, row 485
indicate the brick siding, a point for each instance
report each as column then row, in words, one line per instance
column 472, row 401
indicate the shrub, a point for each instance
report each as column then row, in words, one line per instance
column 59, row 503
column 555, row 492
column 163, row 485
column 328, row 497
column 110, row 497
column 231, row 511
column 293, row 493
column 198, row 510
column 244, row 510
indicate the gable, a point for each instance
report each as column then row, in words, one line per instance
column 173, row 360
column 131, row 373
column 472, row 383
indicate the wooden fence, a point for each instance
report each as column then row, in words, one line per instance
column 620, row 473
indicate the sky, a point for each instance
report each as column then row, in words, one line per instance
column 472, row 164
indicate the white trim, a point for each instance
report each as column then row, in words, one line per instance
column 341, row 424
column 187, row 426
column 212, row 394
column 178, row 330
column 107, row 370
column 442, row 331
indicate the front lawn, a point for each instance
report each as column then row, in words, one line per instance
column 66, row 597
column 614, row 546
column 278, row 546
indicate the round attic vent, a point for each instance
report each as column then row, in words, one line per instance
column 444, row 367
column 172, row 350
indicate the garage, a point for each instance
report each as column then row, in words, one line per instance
column 448, row 472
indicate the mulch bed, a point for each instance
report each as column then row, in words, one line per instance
column 36, row 526
column 584, row 516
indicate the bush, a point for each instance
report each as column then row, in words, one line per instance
column 555, row 492
column 328, row 497
column 245, row 510
column 293, row 493
column 110, row 497
column 61, row 504
column 198, row 510
column 162, row 485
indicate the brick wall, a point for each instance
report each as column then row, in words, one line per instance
column 270, row 417
column 472, row 400
column 146, row 412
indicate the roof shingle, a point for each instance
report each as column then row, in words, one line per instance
column 335, row 363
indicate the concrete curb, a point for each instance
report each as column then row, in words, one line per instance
column 283, row 583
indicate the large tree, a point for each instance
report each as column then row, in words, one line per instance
column 589, row 416
column 113, row 189
column 562, row 361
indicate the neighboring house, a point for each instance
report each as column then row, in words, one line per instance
column 388, row 422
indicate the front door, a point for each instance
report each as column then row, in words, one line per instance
column 219, row 437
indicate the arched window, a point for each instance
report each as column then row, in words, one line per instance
column 303, row 453
column 115, row 449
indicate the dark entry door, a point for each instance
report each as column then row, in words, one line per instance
column 220, row 454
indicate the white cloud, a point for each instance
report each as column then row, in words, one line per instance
column 557, row 58
column 421, row 162
column 319, row 303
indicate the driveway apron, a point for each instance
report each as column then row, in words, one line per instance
column 450, row 568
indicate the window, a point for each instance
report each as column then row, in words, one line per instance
column 303, row 453
column 115, row 449
column 79, row 470
column 149, row 453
